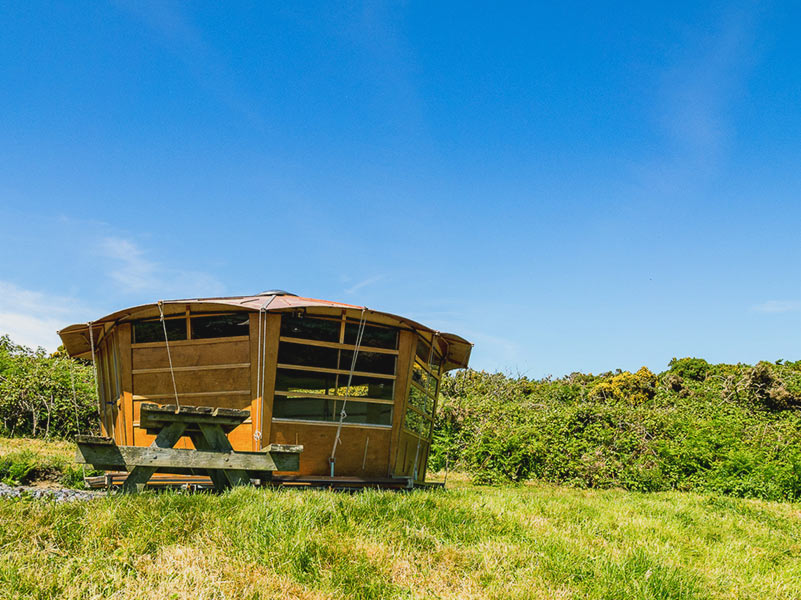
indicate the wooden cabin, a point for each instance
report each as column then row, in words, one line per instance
column 293, row 363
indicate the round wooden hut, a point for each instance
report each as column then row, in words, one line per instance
column 356, row 387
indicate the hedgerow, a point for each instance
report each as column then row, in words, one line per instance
column 734, row 429
column 44, row 395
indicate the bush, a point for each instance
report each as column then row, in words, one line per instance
column 44, row 396
column 735, row 429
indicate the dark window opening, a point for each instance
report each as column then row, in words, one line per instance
column 307, row 356
column 368, row 362
column 289, row 380
column 232, row 325
column 365, row 387
column 309, row 328
column 153, row 331
column 323, row 409
column 378, row 337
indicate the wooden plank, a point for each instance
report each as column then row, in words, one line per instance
column 330, row 423
column 330, row 397
column 140, row 475
column 111, row 456
column 317, row 442
column 146, row 397
column 195, row 353
column 336, row 345
column 407, row 345
column 153, row 416
column 126, row 380
column 217, row 440
column 98, row 440
column 178, row 343
column 255, row 392
column 334, row 371
column 189, row 382
column 273, row 326
column 195, row 368
column 156, row 411
column 218, row 478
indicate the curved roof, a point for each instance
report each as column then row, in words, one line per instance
column 77, row 342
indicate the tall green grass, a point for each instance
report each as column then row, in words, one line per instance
column 469, row 542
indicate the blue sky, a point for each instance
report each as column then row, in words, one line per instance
column 569, row 187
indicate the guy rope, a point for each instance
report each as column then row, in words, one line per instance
column 101, row 411
column 343, row 415
column 261, row 367
column 169, row 356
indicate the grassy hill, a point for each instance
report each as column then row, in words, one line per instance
column 526, row 541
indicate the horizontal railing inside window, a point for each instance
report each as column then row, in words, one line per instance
column 336, row 345
column 330, row 396
column 334, row 371
column 419, row 412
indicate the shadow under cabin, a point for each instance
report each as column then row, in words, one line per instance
column 357, row 388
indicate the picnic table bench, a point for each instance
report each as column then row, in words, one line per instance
column 207, row 427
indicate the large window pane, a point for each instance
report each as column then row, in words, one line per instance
column 418, row 424
column 152, row 331
column 289, row 380
column 369, row 362
column 232, row 325
column 323, row 409
column 378, row 337
column 310, row 328
column 308, row 356
column 307, row 409
column 426, row 356
column 366, row 387
column 420, row 400
column 420, row 376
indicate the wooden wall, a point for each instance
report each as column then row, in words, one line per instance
column 208, row 372
column 355, row 441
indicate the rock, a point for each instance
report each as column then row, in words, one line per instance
column 54, row 494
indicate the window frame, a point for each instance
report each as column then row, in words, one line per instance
column 340, row 374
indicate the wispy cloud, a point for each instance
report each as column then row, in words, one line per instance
column 364, row 283
column 185, row 40
column 777, row 306
column 695, row 99
column 133, row 271
column 32, row 317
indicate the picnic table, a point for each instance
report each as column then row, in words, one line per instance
column 207, row 427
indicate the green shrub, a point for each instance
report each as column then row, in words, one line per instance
column 735, row 429
column 44, row 396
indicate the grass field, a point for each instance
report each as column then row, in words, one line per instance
column 25, row 461
column 528, row 541
column 531, row 541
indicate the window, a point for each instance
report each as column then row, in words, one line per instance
column 314, row 369
column 308, row 356
column 418, row 424
column 329, row 410
column 202, row 327
column 369, row 362
column 310, row 328
column 419, row 418
column 373, row 335
column 153, row 331
column 230, row 325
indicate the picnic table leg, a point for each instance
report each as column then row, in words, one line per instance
column 219, row 480
column 217, row 440
column 166, row 438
